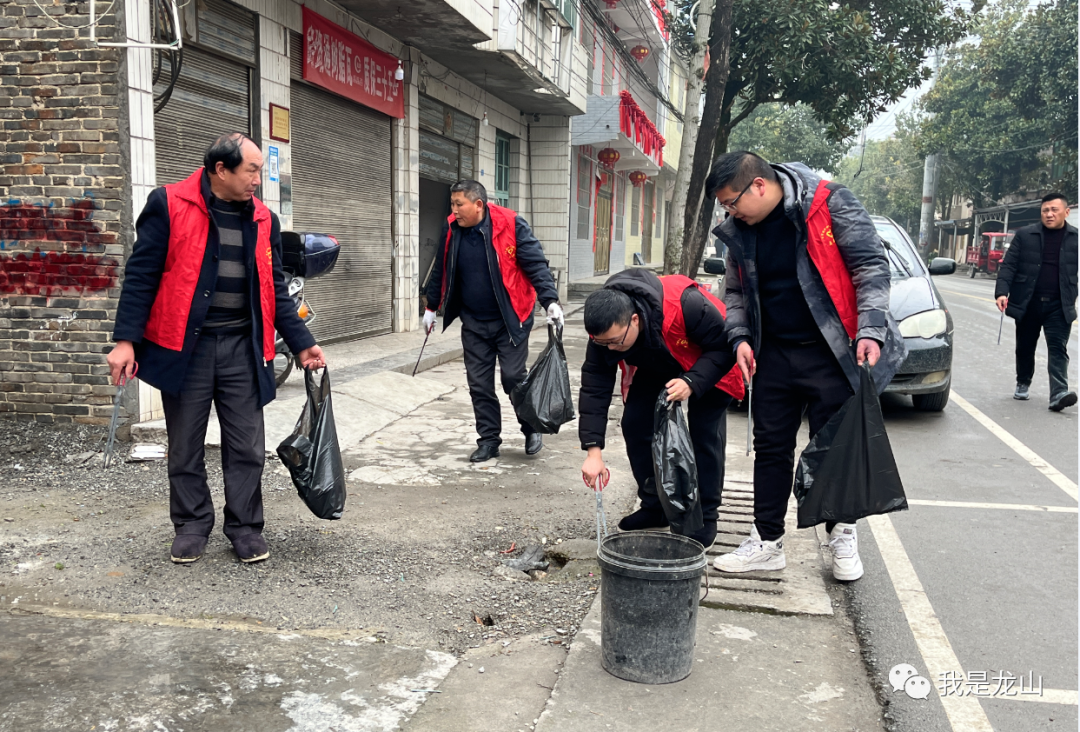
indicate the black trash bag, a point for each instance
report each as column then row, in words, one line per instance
column 675, row 467
column 543, row 400
column 848, row 472
column 312, row 455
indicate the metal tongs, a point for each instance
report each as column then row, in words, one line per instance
column 122, row 383
column 601, row 515
column 749, row 413
column 426, row 336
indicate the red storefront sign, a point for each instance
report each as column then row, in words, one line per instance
column 346, row 64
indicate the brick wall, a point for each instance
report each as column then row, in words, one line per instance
column 62, row 209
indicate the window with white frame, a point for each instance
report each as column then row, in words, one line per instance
column 584, row 196
column 620, row 207
column 502, row 169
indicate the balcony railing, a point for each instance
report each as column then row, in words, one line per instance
column 619, row 123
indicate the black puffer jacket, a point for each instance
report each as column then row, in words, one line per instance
column 704, row 327
column 863, row 254
column 1020, row 270
column 530, row 259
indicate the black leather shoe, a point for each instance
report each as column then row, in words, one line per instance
column 484, row 452
column 187, row 548
column 706, row 535
column 534, row 443
column 642, row 519
column 1062, row 400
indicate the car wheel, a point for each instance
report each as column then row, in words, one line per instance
column 930, row 402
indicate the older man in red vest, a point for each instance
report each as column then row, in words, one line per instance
column 490, row 270
column 203, row 294
column 663, row 333
column 807, row 295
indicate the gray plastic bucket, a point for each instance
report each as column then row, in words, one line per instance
column 650, row 586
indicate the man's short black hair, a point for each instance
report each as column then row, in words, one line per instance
column 606, row 308
column 226, row 149
column 473, row 191
column 735, row 170
column 1053, row 196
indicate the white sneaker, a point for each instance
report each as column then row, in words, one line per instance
column 753, row 554
column 844, row 542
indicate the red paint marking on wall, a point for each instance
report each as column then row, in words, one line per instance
column 81, row 269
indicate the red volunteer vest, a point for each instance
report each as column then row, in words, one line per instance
column 189, row 225
column 825, row 255
column 504, row 241
column 685, row 351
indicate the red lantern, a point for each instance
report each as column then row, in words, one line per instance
column 611, row 4
column 639, row 52
column 608, row 157
column 637, row 178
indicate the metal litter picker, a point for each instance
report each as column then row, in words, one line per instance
column 111, row 443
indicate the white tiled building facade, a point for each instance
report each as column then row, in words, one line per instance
column 495, row 82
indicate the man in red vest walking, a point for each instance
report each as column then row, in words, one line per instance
column 203, row 294
column 807, row 295
column 663, row 333
column 490, row 271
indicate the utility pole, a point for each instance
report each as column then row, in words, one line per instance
column 929, row 184
column 691, row 122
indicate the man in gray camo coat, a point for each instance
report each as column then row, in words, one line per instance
column 793, row 329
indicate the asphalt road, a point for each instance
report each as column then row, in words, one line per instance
column 959, row 591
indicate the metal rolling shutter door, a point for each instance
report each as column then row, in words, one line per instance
column 212, row 94
column 341, row 185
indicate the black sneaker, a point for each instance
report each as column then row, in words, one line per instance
column 251, row 548
column 1021, row 392
column 187, row 548
column 641, row 519
column 1062, row 400
column 706, row 535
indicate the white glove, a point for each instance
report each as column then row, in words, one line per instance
column 555, row 315
column 429, row 321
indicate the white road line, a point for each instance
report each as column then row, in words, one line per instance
column 1002, row 506
column 1049, row 696
column 964, row 712
column 1018, row 447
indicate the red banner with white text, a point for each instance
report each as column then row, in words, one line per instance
column 346, row 64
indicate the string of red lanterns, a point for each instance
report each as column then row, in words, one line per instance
column 635, row 124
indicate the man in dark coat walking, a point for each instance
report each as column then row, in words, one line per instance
column 489, row 270
column 1036, row 287
column 807, row 295
column 203, row 294
column 663, row 333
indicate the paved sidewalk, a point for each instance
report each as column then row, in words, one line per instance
column 363, row 370
column 397, row 617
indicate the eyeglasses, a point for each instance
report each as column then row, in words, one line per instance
column 730, row 207
column 613, row 342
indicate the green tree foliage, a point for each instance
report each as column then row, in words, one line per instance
column 845, row 61
column 887, row 177
column 782, row 133
column 1004, row 108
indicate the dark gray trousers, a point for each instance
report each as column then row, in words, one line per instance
column 706, row 418
column 482, row 342
column 1044, row 315
column 222, row 373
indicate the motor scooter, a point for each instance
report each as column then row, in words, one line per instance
column 304, row 255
